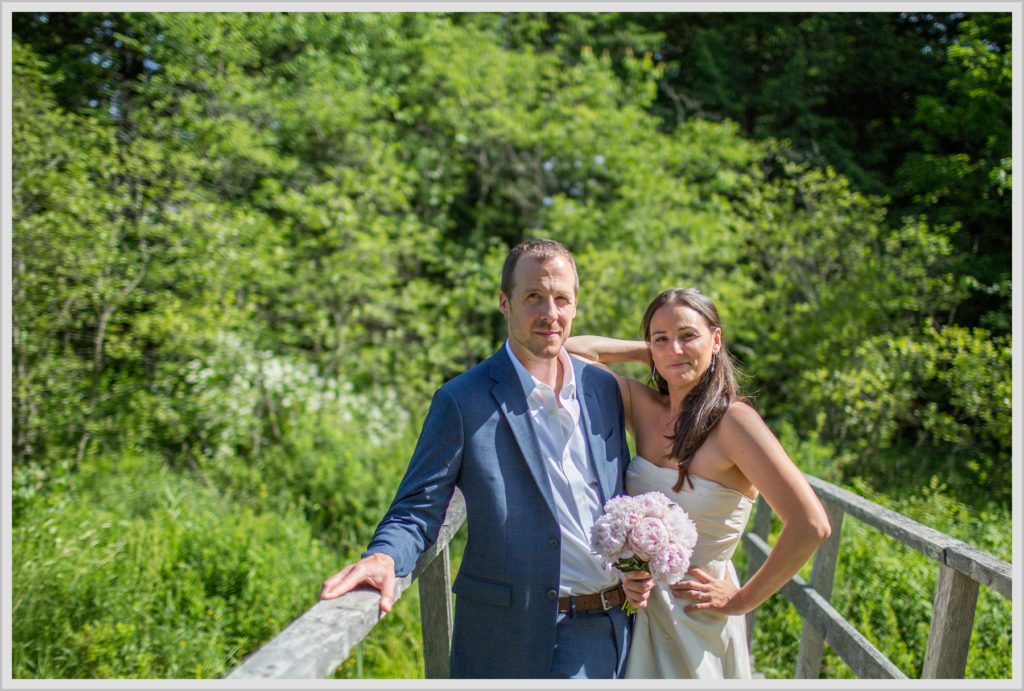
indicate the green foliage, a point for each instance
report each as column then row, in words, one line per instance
column 896, row 617
column 825, row 271
column 944, row 391
column 247, row 246
column 960, row 175
column 141, row 572
column 894, row 612
column 915, row 106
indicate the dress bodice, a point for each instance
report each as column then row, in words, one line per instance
column 720, row 513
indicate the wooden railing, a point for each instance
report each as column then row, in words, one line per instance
column 962, row 569
column 315, row 644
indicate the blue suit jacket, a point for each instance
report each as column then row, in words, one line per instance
column 478, row 437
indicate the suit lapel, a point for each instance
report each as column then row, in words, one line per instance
column 508, row 392
column 589, row 406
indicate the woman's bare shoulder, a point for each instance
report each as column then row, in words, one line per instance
column 741, row 411
column 741, row 418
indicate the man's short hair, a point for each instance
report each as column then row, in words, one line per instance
column 538, row 249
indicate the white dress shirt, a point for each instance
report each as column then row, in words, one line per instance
column 573, row 481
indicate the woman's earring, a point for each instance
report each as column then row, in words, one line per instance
column 714, row 359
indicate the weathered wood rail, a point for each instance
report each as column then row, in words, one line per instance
column 315, row 644
column 962, row 569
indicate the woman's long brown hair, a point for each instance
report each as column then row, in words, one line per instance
column 707, row 402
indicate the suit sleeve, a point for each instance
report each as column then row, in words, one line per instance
column 622, row 426
column 412, row 523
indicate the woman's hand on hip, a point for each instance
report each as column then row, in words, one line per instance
column 708, row 593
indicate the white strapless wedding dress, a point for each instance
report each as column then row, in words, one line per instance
column 667, row 642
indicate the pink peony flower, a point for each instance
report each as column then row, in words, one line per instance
column 648, row 538
column 654, row 504
column 670, row 564
column 681, row 530
column 626, row 509
column 618, row 503
column 608, row 537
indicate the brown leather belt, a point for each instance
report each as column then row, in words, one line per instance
column 596, row 602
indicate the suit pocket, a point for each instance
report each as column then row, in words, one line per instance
column 488, row 592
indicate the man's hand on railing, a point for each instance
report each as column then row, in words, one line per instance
column 376, row 570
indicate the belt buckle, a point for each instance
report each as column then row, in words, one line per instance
column 604, row 604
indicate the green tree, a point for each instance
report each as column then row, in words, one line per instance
column 959, row 175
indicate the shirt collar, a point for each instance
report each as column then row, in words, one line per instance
column 531, row 383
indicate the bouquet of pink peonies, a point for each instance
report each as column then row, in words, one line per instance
column 646, row 532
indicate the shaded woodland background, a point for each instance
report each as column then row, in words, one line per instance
column 247, row 247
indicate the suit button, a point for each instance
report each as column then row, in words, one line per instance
column 553, row 542
column 552, row 594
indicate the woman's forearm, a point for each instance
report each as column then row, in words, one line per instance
column 608, row 351
column 794, row 547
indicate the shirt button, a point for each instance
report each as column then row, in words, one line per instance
column 553, row 542
column 552, row 594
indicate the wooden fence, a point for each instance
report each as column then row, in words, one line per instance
column 961, row 569
column 315, row 644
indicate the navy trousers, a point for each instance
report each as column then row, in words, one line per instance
column 587, row 647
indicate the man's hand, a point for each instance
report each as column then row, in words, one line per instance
column 376, row 570
column 637, row 585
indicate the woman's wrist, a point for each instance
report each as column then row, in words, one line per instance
column 739, row 603
column 631, row 351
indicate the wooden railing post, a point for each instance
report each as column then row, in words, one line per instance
column 436, row 616
column 762, row 528
column 808, row 661
column 949, row 638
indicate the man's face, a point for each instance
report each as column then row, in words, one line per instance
column 541, row 307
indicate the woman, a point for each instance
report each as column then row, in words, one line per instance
column 700, row 443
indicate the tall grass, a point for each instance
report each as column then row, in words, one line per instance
column 130, row 569
column 149, row 573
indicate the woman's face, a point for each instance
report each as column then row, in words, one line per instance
column 682, row 345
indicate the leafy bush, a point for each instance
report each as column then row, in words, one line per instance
column 142, row 572
column 940, row 398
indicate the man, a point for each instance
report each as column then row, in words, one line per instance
column 535, row 441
